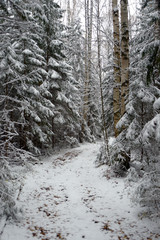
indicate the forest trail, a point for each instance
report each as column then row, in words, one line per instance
column 67, row 198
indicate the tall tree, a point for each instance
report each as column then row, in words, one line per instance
column 117, row 66
column 142, row 112
column 88, row 47
column 98, row 29
column 124, row 55
column 76, row 58
column 74, row 11
column 10, row 106
column 59, row 77
column 68, row 13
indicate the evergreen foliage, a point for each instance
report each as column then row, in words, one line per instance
column 60, row 82
column 137, row 146
column 142, row 117
column 37, row 86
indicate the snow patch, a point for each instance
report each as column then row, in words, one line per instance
column 156, row 104
column 111, row 141
column 66, row 197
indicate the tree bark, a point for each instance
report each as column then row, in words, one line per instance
column 90, row 20
column 68, row 13
column 88, row 57
column 100, row 79
column 73, row 15
column 117, row 65
column 124, row 56
column 85, row 101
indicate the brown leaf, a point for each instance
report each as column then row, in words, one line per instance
column 30, row 228
column 59, row 235
column 126, row 237
column 107, row 228
column 43, row 232
column 36, row 227
column 56, row 196
column 47, row 213
column 34, row 234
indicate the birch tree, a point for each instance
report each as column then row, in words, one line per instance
column 100, row 77
column 88, row 56
column 144, row 106
column 124, row 55
column 117, row 65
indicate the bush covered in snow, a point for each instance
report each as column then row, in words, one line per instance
column 7, row 191
column 117, row 158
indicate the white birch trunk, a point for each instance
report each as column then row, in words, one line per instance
column 88, row 57
column 100, row 78
column 124, row 56
column 117, row 65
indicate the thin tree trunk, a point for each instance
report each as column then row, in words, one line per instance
column 73, row 11
column 88, row 56
column 86, row 82
column 68, row 13
column 53, row 137
column 117, row 65
column 142, row 125
column 124, row 55
column 100, row 79
column 157, row 39
column 7, row 124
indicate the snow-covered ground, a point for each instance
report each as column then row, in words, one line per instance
column 67, row 198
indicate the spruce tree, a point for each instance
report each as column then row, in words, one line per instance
column 142, row 117
column 64, row 123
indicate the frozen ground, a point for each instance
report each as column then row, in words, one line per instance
column 67, row 198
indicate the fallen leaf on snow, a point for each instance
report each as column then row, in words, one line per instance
column 107, row 228
column 34, row 234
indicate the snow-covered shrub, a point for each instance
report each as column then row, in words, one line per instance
column 119, row 158
column 72, row 141
column 144, row 174
column 147, row 192
column 7, row 201
column 102, row 157
column 136, row 170
column 132, row 175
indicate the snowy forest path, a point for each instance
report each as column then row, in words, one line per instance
column 67, row 197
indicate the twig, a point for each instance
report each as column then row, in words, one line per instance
column 4, row 223
column 19, row 192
